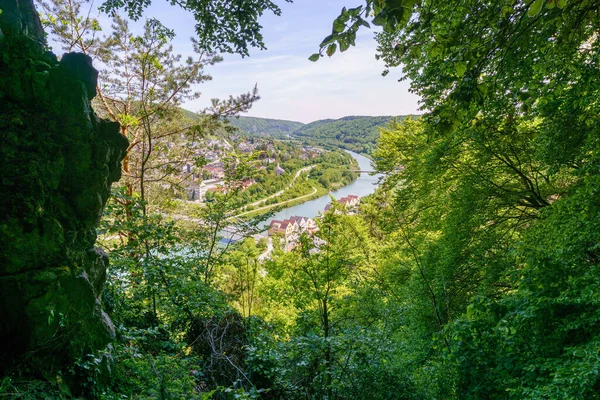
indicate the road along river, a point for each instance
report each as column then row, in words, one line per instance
column 363, row 186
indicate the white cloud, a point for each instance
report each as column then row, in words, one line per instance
column 294, row 88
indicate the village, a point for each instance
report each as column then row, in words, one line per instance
column 288, row 231
column 201, row 182
column 274, row 167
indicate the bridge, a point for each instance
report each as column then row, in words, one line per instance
column 362, row 171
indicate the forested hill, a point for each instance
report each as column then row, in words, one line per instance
column 353, row 133
column 356, row 133
column 259, row 126
column 266, row 126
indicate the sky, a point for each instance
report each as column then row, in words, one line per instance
column 290, row 86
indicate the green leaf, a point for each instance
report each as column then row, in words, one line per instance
column 95, row 25
column 561, row 3
column 344, row 45
column 435, row 50
column 535, row 8
column 314, row 57
column 380, row 19
column 461, row 68
column 394, row 4
column 326, row 41
column 483, row 88
column 338, row 26
column 331, row 49
column 354, row 12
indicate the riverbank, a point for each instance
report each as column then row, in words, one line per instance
column 363, row 186
column 309, row 203
column 281, row 192
column 297, row 200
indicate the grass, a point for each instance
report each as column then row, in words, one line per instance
column 320, row 191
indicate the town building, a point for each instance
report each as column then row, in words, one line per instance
column 246, row 147
column 247, row 183
column 350, row 201
column 305, row 224
column 286, row 228
column 217, row 189
column 217, row 172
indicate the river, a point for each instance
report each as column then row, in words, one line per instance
column 364, row 185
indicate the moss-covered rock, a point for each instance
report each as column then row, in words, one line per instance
column 57, row 163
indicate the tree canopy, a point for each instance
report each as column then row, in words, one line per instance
column 229, row 26
column 471, row 273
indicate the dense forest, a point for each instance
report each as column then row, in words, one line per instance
column 358, row 134
column 265, row 126
column 473, row 272
column 258, row 126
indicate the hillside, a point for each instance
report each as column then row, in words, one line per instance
column 266, row 126
column 353, row 133
column 356, row 133
column 259, row 126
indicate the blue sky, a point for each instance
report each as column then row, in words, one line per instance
column 290, row 86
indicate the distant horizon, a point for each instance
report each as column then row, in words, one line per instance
column 290, row 86
column 316, row 120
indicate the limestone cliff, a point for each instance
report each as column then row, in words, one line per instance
column 57, row 163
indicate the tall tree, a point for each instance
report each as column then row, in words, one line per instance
column 141, row 86
column 504, row 151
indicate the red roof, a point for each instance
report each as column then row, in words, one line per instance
column 282, row 224
column 348, row 199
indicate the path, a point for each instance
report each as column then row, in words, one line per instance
column 282, row 191
column 300, row 171
column 268, row 251
column 276, row 204
column 188, row 218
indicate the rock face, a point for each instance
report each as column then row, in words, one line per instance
column 57, row 163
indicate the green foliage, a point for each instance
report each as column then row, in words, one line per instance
column 353, row 133
column 304, row 175
column 312, row 296
column 541, row 341
column 265, row 126
column 230, row 26
column 141, row 86
column 473, row 273
column 487, row 215
column 390, row 15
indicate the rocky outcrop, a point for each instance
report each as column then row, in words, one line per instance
column 57, row 163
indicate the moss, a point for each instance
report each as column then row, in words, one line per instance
column 57, row 162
